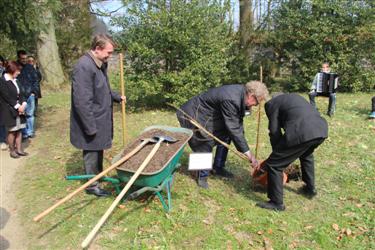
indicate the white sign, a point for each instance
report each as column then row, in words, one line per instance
column 200, row 161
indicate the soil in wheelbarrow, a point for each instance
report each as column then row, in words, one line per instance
column 163, row 155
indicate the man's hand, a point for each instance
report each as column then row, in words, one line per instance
column 253, row 161
column 123, row 98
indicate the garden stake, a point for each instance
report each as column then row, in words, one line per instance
column 97, row 177
column 123, row 94
column 102, row 220
column 259, row 110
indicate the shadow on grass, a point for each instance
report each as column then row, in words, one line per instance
column 74, row 165
column 243, row 184
column 82, row 204
column 361, row 111
column 241, row 181
column 144, row 203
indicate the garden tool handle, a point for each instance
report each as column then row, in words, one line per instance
column 102, row 220
column 88, row 183
column 123, row 104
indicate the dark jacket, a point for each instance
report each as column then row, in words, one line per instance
column 8, row 99
column 28, row 81
column 91, row 118
column 292, row 121
column 221, row 110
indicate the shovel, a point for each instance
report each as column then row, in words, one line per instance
column 97, row 177
column 161, row 138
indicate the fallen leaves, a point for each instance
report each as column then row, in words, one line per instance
column 343, row 232
column 335, row 227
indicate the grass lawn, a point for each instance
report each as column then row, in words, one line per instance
column 223, row 217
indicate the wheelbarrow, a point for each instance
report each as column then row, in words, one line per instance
column 155, row 181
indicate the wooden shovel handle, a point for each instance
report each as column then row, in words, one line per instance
column 123, row 107
column 88, row 183
column 102, row 220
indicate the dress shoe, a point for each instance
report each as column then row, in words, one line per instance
column 271, row 205
column 22, row 153
column 13, row 154
column 98, row 192
column 308, row 192
column 223, row 173
column 202, row 182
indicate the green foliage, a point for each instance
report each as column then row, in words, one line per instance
column 73, row 31
column 175, row 49
column 19, row 24
column 307, row 33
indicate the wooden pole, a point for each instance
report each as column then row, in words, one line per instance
column 259, row 111
column 102, row 220
column 123, row 107
column 88, row 183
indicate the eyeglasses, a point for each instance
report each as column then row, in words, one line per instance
column 256, row 99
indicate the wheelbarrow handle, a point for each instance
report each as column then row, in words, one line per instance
column 88, row 183
column 103, row 219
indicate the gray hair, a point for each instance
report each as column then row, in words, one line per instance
column 100, row 40
column 258, row 89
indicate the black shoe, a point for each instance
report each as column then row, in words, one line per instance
column 330, row 113
column 98, row 192
column 271, row 205
column 202, row 182
column 223, row 173
column 308, row 192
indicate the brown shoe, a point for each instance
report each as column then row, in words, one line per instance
column 23, row 153
column 13, row 154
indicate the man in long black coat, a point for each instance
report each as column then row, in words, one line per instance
column 221, row 111
column 91, row 119
column 296, row 129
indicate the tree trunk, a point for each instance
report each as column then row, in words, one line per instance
column 246, row 24
column 48, row 52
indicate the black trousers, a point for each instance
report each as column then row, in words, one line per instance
column 281, row 157
column 93, row 163
column 373, row 104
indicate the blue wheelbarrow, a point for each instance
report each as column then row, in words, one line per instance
column 155, row 181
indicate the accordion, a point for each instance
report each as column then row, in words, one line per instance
column 327, row 83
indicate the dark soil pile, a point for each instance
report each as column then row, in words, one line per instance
column 163, row 155
column 294, row 173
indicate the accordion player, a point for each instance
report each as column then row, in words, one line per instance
column 326, row 83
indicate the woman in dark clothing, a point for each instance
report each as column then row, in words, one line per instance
column 12, row 106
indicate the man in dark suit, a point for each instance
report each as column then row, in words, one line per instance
column 221, row 110
column 91, row 117
column 296, row 129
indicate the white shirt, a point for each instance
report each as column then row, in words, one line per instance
column 14, row 81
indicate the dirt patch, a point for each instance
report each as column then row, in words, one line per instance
column 293, row 172
column 164, row 154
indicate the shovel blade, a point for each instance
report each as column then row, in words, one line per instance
column 165, row 138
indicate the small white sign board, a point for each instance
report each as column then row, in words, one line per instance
column 200, row 161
